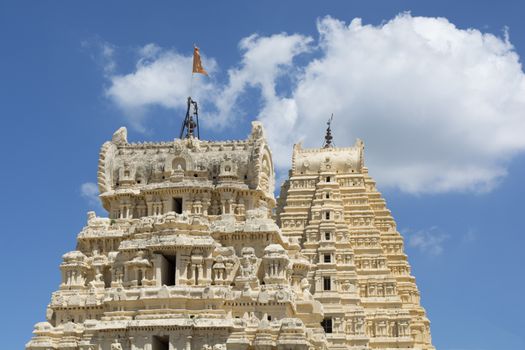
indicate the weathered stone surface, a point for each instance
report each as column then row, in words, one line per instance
column 197, row 254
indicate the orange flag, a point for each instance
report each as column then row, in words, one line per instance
column 197, row 65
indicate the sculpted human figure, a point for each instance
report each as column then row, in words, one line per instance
column 248, row 260
column 305, row 287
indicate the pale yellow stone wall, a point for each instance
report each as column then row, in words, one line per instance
column 191, row 256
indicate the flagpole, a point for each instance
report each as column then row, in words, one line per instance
column 191, row 84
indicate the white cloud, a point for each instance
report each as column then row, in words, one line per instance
column 89, row 191
column 265, row 59
column 439, row 108
column 162, row 78
column 428, row 241
column 103, row 53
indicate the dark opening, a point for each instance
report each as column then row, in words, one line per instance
column 107, row 277
column 160, row 343
column 327, row 195
column 196, row 275
column 269, row 318
column 327, row 236
column 327, row 325
column 328, row 179
column 327, row 215
column 167, row 269
column 139, row 277
column 327, row 283
column 177, row 205
column 327, row 258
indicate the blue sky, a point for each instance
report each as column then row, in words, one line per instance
column 439, row 103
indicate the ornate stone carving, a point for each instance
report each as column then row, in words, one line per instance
column 191, row 256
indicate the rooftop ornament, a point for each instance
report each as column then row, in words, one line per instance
column 328, row 137
column 191, row 121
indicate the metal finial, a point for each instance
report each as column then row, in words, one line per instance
column 328, row 137
column 191, row 121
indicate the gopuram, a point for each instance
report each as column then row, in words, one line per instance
column 197, row 254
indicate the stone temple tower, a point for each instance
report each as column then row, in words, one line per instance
column 196, row 254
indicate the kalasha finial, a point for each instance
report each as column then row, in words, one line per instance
column 191, row 122
column 328, row 137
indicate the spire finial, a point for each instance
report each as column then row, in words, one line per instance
column 328, row 137
column 191, row 122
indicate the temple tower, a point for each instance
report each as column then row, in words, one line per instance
column 189, row 257
column 196, row 254
column 331, row 206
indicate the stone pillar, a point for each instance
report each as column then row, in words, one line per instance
column 167, row 206
column 157, row 272
column 188, row 342
column 177, row 342
column 182, row 267
column 205, row 206
column 148, row 343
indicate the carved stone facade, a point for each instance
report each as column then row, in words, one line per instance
column 197, row 254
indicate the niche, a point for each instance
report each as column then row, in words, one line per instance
column 107, row 277
column 167, row 268
column 179, row 164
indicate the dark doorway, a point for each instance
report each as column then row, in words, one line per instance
column 177, row 205
column 168, row 269
column 160, row 343
column 327, row 325
column 327, row 283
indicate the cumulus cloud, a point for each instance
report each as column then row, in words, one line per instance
column 161, row 78
column 264, row 61
column 428, row 241
column 89, row 191
column 440, row 108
